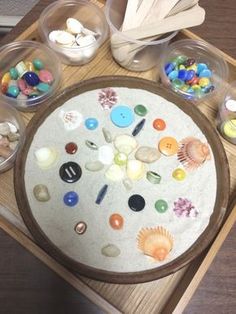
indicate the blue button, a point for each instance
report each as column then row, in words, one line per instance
column 91, row 123
column 71, row 198
column 122, row 116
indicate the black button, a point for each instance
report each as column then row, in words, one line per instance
column 136, row 202
column 70, row 172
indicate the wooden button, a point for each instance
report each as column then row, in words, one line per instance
column 168, row 146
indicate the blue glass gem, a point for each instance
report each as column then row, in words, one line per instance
column 182, row 75
column 205, row 73
column 31, row 78
column 173, row 75
column 71, row 198
column 169, row 67
column 101, row 194
column 190, row 75
column 138, row 127
column 122, row 116
column 201, row 67
column 91, row 123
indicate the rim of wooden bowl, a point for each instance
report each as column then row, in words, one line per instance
column 222, row 170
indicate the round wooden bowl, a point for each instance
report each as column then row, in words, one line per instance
column 221, row 168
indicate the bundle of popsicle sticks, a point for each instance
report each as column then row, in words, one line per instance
column 149, row 19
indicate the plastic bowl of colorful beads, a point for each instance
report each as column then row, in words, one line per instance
column 193, row 69
column 30, row 74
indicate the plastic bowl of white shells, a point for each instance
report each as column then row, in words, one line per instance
column 75, row 29
column 12, row 135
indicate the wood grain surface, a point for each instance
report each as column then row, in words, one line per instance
column 217, row 291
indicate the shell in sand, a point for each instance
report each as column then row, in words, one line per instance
column 155, row 242
column 193, row 153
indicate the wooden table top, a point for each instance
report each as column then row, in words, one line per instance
column 41, row 288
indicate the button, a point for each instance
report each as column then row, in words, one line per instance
column 80, row 227
column 136, row 202
column 70, row 172
column 71, row 198
column 71, row 148
column 122, row 116
column 140, row 110
column 161, row 206
column 168, row 146
column 116, row 221
column 159, row 124
column 179, row 174
column 91, row 123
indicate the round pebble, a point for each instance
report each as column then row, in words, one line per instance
column 179, row 174
column 159, row 124
column 136, row 202
column 71, row 148
column 161, row 206
column 70, row 172
column 91, row 123
column 71, row 198
column 80, row 227
column 41, row 193
column 116, row 221
column 140, row 110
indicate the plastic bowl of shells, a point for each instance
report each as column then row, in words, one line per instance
column 12, row 135
column 193, row 69
column 73, row 29
column 30, row 74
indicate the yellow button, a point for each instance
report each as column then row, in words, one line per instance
column 229, row 128
column 168, row 146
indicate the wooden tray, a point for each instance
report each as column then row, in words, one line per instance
column 169, row 294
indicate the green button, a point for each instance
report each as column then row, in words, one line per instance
column 161, row 206
column 140, row 110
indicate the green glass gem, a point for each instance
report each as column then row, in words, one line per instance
column 161, row 206
column 140, row 110
column 179, row 59
column 43, row 87
column 153, row 177
column 13, row 73
column 177, row 83
column 120, row 159
column 38, row 64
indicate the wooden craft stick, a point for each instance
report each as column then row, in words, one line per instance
column 130, row 12
column 143, row 10
column 160, row 10
column 189, row 18
column 182, row 5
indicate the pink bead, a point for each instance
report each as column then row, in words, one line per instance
column 27, row 91
column 45, row 76
column 21, row 84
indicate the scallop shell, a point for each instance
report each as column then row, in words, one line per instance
column 155, row 242
column 193, row 153
column 125, row 143
column 135, row 169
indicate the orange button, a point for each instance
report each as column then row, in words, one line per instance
column 168, row 146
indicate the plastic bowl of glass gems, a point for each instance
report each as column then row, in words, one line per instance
column 12, row 135
column 73, row 29
column 193, row 69
column 30, row 74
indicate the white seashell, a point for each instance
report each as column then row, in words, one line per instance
column 135, row 169
column 114, row 173
column 89, row 52
column 71, row 119
column 53, row 35
column 125, row 143
column 84, row 41
column 74, row 26
column 105, row 154
column 65, row 38
column 4, row 129
column 87, row 31
column 13, row 145
column 12, row 127
column 128, row 184
column 45, row 157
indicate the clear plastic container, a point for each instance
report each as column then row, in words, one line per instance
column 202, row 53
column 54, row 17
column 226, row 118
column 134, row 55
column 11, row 116
column 27, row 51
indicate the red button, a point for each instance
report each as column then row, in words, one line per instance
column 71, row 148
